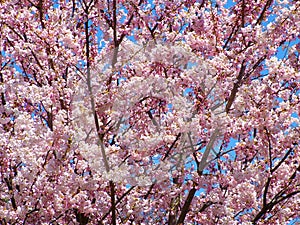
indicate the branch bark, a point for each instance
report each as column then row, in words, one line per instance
column 236, row 87
column 203, row 161
column 96, row 120
column 186, row 206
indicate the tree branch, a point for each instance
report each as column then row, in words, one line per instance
column 236, row 87
column 186, row 206
column 153, row 120
column 172, row 145
column 117, row 202
column 203, row 161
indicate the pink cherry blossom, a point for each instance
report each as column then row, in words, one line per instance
column 149, row 112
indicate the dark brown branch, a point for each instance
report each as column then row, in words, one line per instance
column 268, row 207
column 261, row 16
column 172, row 145
column 41, row 13
column 205, row 206
column 243, row 13
column 35, row 209
column 236, row 87
column 117, row 202
column 10, row 188
column 259, row 61
column 115, row 23
column 84, row 6
column 197, row 163
column 233, row 31
column 149, row 191
column 289, row 195
column 269, row 148
column 293, row 176
column 279, row 197
column 81, row 218
column 113, row 202
column 282, row 160
column 13, row 30
column 186, row 206
column 90, row 4
column 3, row 101
column 36, row 59
column 266, row 191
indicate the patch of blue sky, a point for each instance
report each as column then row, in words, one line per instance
column 3, row 54
column 131, row 37
column 230, row 148
column 271, row 18
column 170, row 107
column 187, row 92
column 295, row 221
column 294, row 124
column 100, row 41
column 229, row 4
column 56, row 4
column 201, row 192
column 156, row 159
column 282, row 52
column 13, row 63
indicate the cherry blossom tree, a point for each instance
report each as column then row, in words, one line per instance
column 149, row 112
